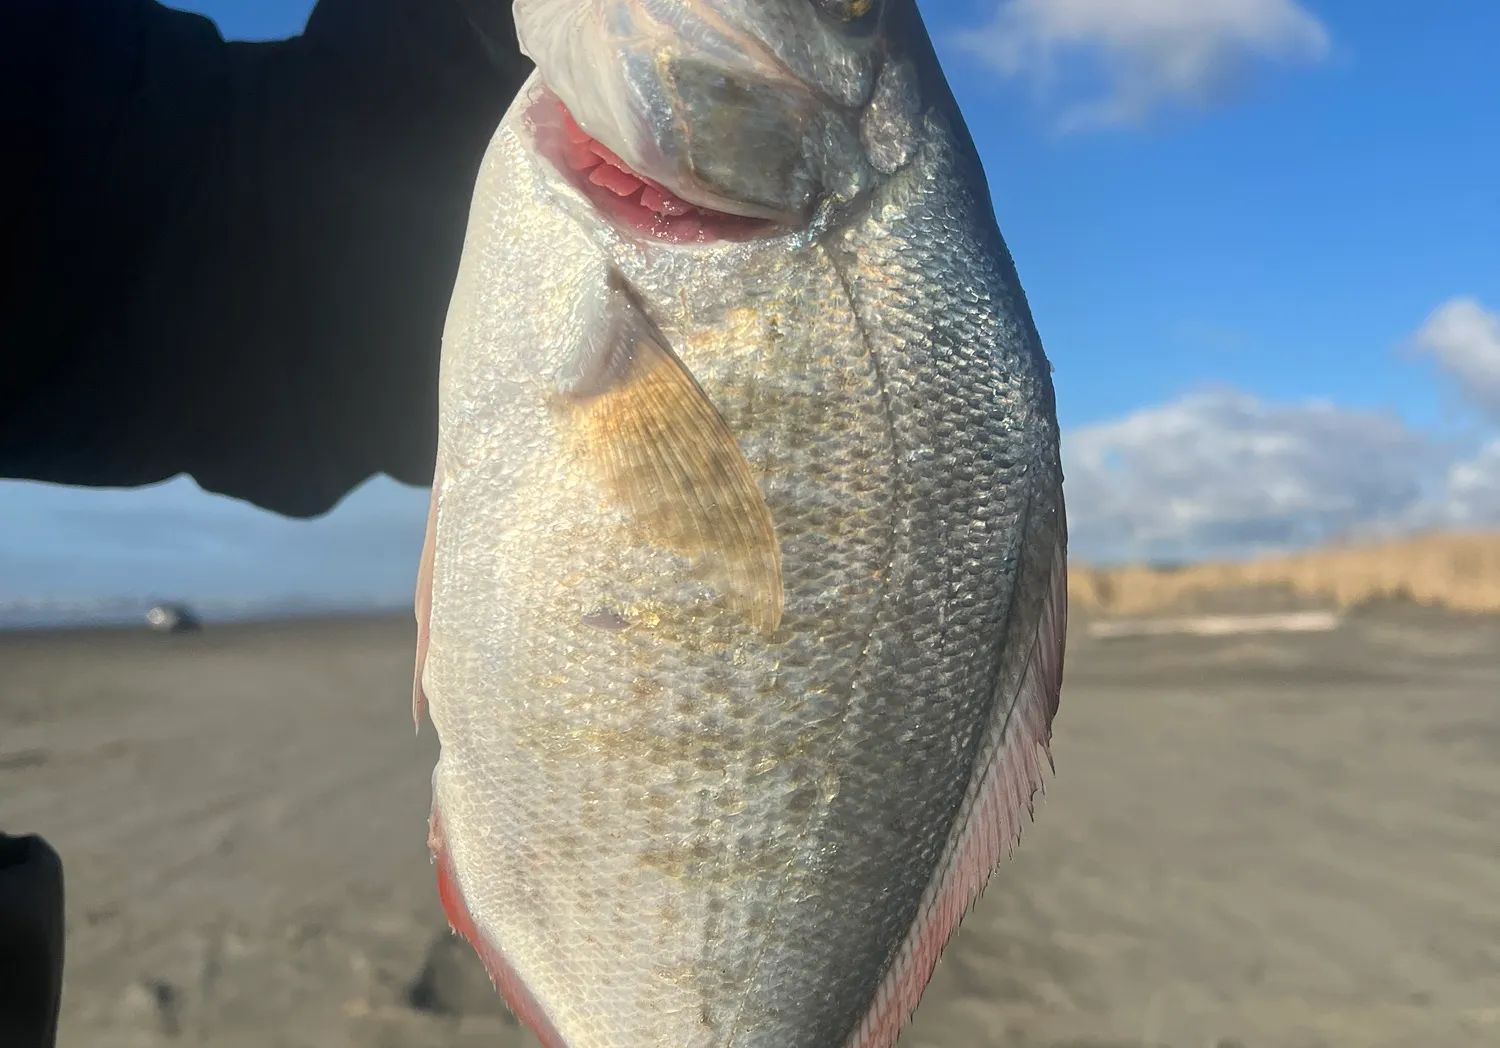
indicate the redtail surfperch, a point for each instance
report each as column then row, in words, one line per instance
column 742, row 604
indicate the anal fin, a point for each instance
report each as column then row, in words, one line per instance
column 507, row 983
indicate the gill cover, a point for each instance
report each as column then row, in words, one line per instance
column 742, row 107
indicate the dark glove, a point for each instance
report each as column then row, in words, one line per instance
column 31, row 942
column 495, row 25
column 265, row 236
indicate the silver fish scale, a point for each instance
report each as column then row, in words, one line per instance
column 678, row 833
column 971, row 441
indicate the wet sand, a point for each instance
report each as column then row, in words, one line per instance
column 1286, row 842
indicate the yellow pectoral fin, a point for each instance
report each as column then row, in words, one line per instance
column 668, row 459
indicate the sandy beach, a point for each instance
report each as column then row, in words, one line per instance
column 1266, row 842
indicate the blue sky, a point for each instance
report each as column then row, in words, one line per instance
column 1261, row 239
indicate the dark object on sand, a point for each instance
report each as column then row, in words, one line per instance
column 173, row 618
column 31, row 941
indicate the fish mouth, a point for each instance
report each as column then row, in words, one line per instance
column 627, row 198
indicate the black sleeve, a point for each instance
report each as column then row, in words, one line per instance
column 234, row 259
column 31, row 942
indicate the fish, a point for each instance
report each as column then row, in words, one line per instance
column 742, row 603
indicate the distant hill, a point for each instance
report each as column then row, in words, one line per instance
column 1458, row 571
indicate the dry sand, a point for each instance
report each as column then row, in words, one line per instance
column 1270, row 843
column 1459, row 571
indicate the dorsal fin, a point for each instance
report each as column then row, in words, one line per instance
column 1000, row 797
column 423, row 602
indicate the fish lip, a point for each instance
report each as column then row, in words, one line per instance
column 552, row 127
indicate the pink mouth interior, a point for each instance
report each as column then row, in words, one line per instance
column 630, row 199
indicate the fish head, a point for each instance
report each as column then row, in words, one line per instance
column 753, row 109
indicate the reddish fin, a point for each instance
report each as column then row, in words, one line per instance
column 516, row 996
column 988, row 826
column 424, row 606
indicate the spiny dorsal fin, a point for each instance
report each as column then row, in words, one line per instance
column 999, row 800
column 667, row 457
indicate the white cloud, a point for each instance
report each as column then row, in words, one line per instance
column 1224, row 473
column 1464, row 339
column 1138, row 55
column 1470, row 497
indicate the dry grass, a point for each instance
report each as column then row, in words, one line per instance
column 1458, row 571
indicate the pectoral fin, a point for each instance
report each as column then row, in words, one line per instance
column 666, row 456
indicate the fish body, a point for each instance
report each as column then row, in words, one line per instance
column 742, row 604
